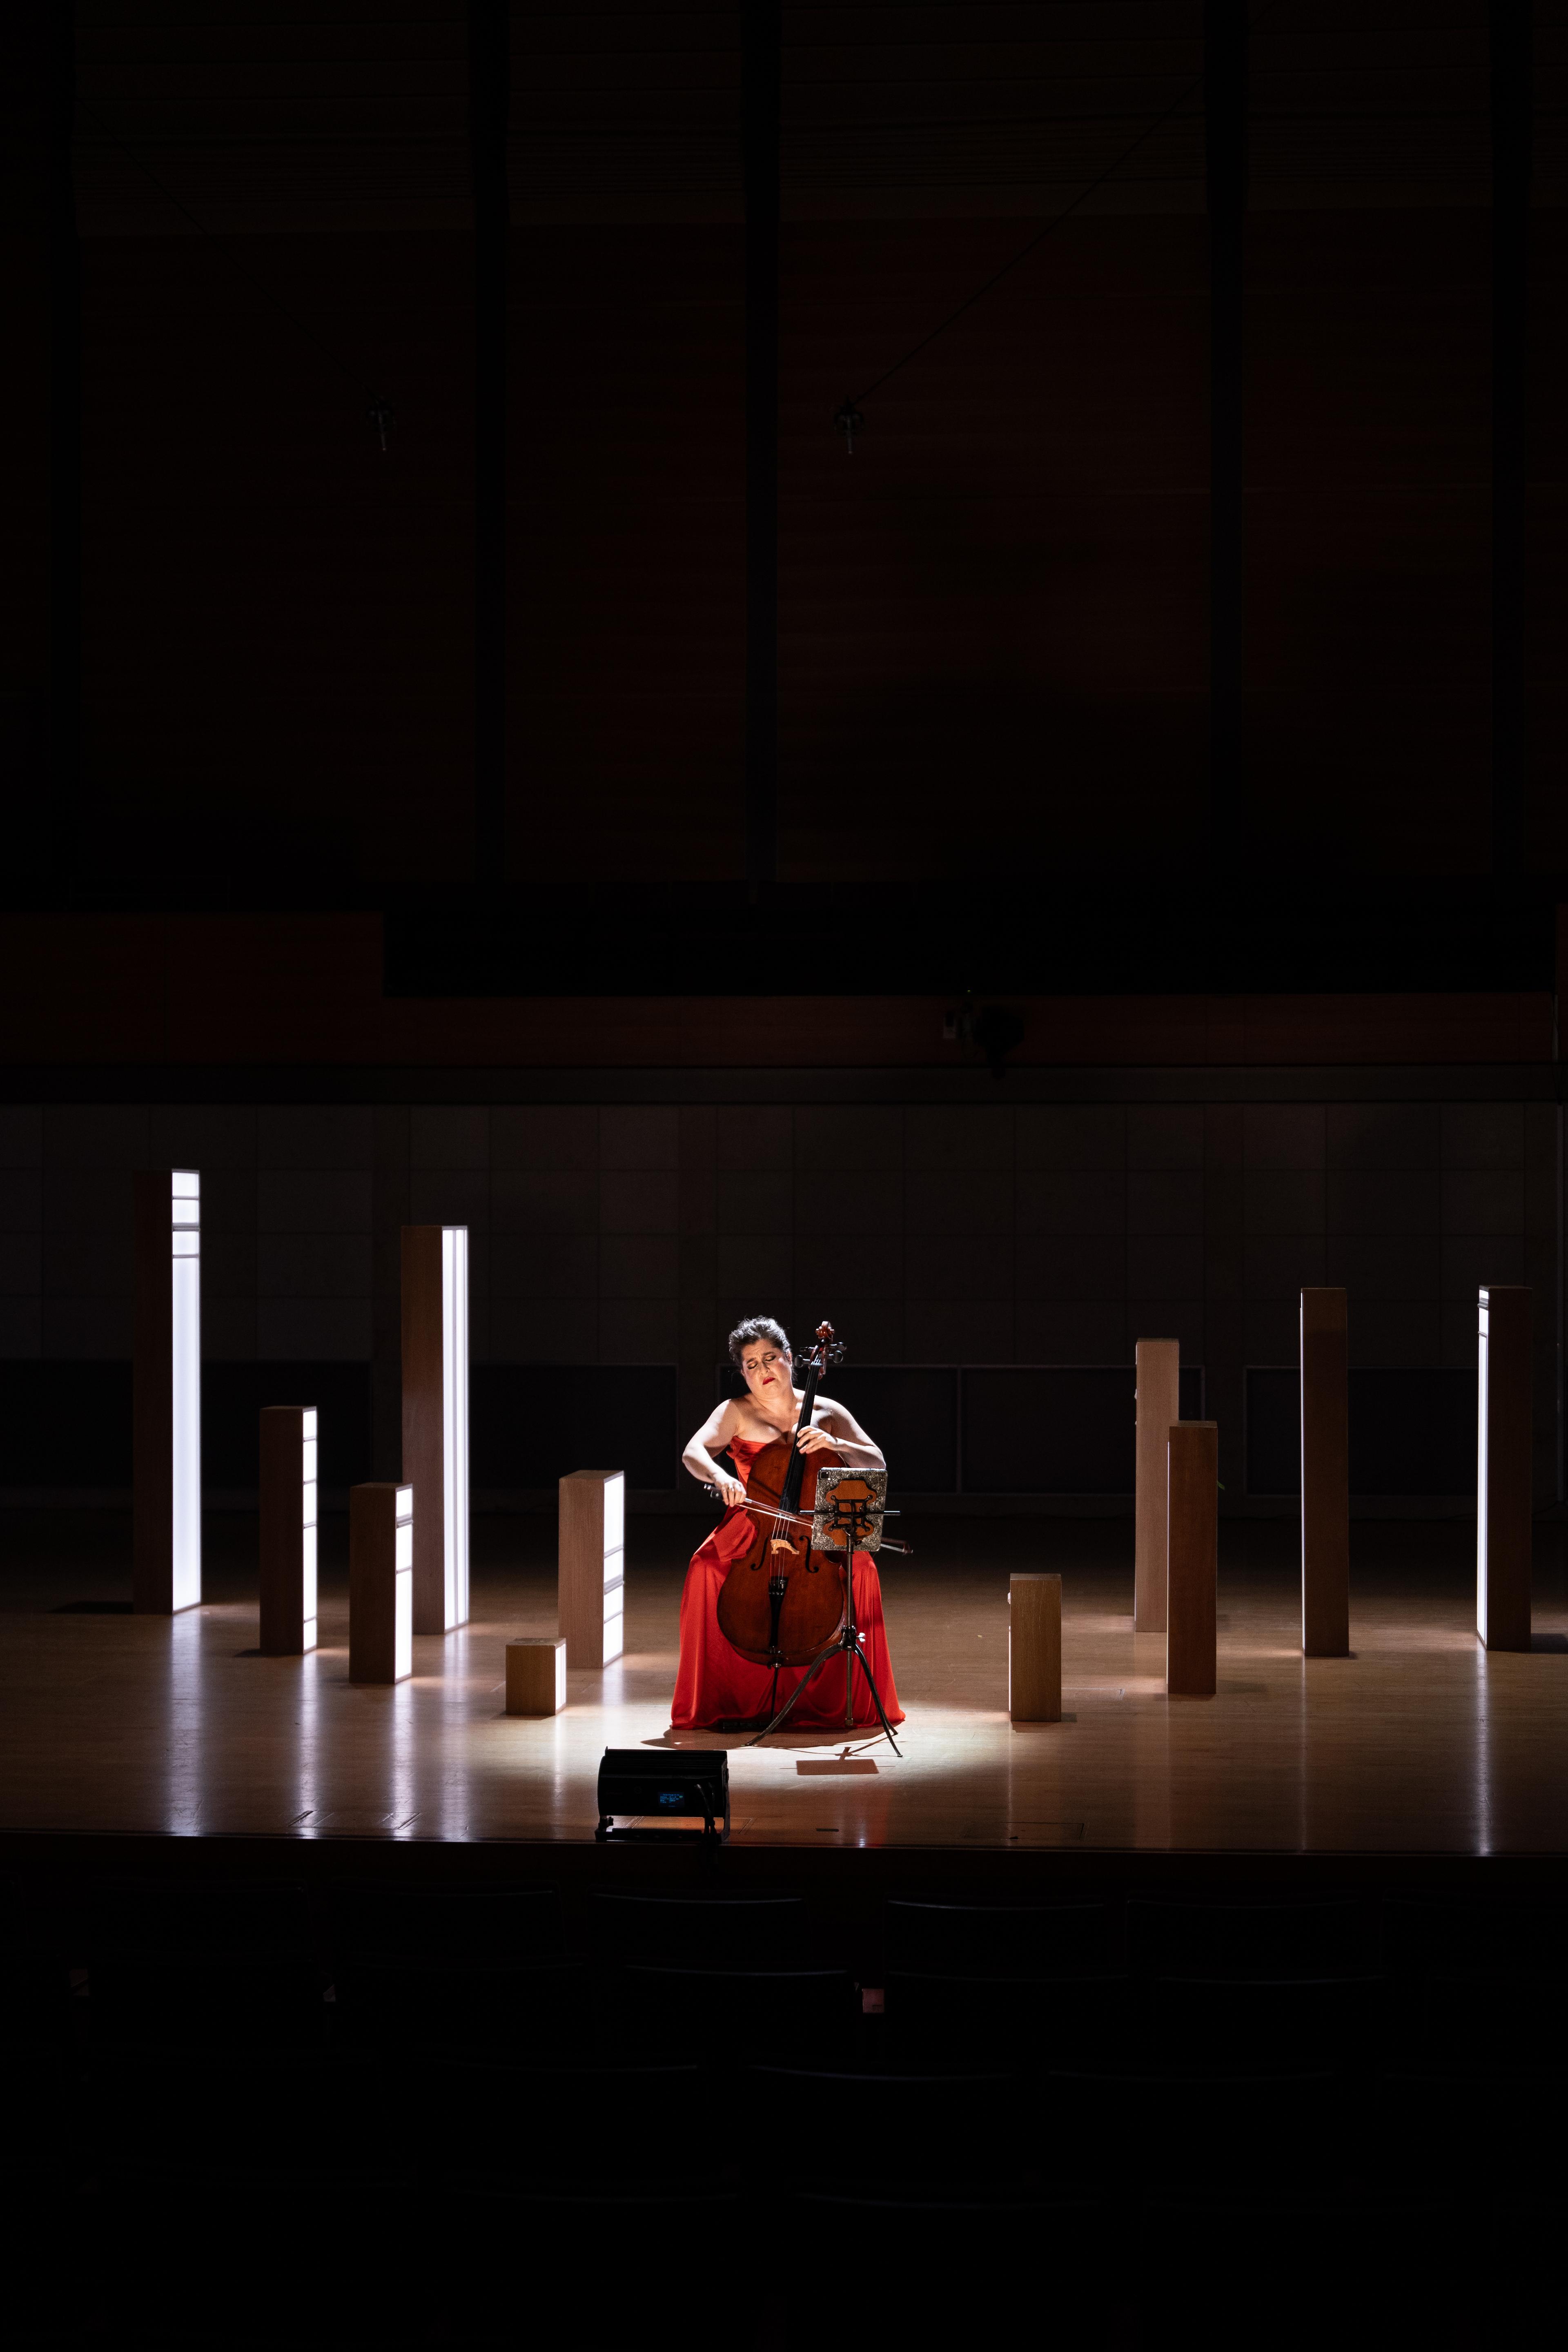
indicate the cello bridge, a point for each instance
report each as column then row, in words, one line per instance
column 781, row 1543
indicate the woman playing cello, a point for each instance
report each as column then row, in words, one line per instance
column 715, row 1684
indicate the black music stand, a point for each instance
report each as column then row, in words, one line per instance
column 857, row 1520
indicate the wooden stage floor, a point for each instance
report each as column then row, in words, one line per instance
column 1419, row 1743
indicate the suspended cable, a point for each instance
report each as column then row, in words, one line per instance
column 1023, row 253
column 848, row 418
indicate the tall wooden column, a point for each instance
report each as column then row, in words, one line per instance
column 287, row 1529
column 1325, row 1476
column 166, row 1410
column 592, row 1565
column 1193, row 1559
column 436, row 1418
column 382, row 1526
column 1159, row 1405
column 1503, row 1499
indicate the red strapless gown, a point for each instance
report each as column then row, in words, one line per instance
column 715, row 1683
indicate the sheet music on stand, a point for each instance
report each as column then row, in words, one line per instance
column 853, row 1518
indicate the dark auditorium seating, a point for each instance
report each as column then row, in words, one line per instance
column 1298, row 2265
column 204, row 1964
column 960, row 1939
column 570, row 2126
column 697, row 1932
column 1017, row 2025
column 672, row 2262
column 950, row 2269
column 1172, row 2129
column 1252, row 1940
column 480, row 1931
column 183, row 2113
column 1318, row 2137
column 1118, row 2024
column 797, row 2016
column 1473, row 1939
column 427, row 2005
column 1496, row 2127
column 35, row 1995
column 888, row 2132
column 246, row 2198
column 456, row 1970
column 1276, row 2024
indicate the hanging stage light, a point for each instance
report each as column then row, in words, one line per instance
column 849, row 421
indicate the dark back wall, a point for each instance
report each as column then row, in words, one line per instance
column 993, row 640
column 990, row 1259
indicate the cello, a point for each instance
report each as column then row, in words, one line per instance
column 789, row 1615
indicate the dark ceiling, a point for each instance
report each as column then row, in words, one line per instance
column 241, row 640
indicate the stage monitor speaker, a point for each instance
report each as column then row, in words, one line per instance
column 652, row 1787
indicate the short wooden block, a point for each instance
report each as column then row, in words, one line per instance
column 1159, row 1405
column 1503, row 1497
column 591, row 1564
column 1034, row 1649
column 381, row 1583
column 1191, row 1574
column 536, row 1676
column 1325, row 1476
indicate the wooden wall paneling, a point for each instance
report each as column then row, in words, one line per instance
column 166, row 1412
column 1159, row 1405
column 288, row 1515
column 1503, row 1497
column 1325, row 1475
column 591, row 1560
column 536, row 1675
column 436, row 1418
column 382, row 1523
column 1193, row 1559
column 761, row 68
column 1225, row 128
column 65, row 850
column 1510, row 32
column 490, row 97
column 1035, row 1648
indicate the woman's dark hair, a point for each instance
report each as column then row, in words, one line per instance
column 757, row 1326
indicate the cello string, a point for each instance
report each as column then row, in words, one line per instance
column 799, row 1519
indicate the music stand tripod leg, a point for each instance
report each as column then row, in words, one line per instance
column 851, row 1632
column 877, row 1700
column 851, row 1637
column 804, row 1684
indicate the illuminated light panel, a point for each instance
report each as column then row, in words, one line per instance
column 1483, row 1369
column 614, row 1566
column 185, row 1373
column 454, row 1419
column 308, row 1447
column 403, row 1564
